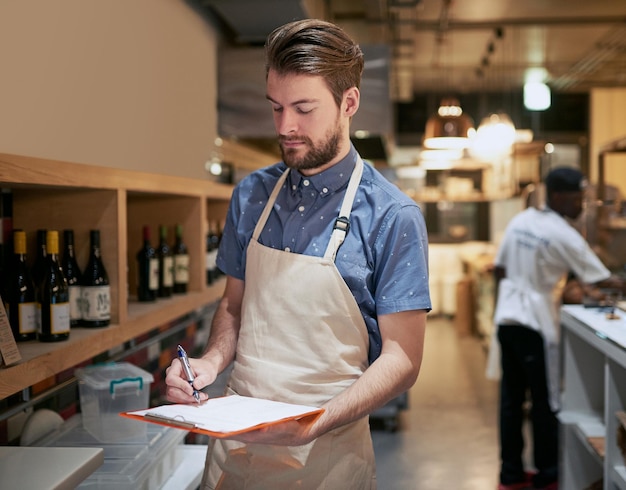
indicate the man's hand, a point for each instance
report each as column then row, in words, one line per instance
column 178, row 389
column 289, row 433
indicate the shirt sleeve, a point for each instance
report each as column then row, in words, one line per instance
column 585, row 264
column 230, row 257
column 401, row 275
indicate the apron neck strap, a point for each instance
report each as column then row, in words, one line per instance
column 342, row 223
column 270, row 204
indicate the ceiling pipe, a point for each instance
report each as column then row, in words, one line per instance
column 424, row 25
column 611, row 44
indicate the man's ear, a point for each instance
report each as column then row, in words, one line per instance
column 351, row 98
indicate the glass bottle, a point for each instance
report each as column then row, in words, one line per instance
column 181, row 263
column 213, row 243
column 72, row 276
column 20, row 298
column 166, row 265
column 148, row 270
column 41, row 258
column 54, row 296
column 96, row 291
column 6, row 227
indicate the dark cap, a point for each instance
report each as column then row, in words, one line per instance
column 564, row 179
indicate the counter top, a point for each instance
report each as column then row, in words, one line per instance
column 595, row 318
column 41, row 468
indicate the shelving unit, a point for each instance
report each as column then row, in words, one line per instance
column 58, row 195
column 595, row 390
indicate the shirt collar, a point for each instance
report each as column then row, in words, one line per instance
column 328, row 181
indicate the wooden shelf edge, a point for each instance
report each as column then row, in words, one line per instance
column 20, row 169
column 41, row 361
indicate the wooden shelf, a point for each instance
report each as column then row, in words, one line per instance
column 594, row 377
column 60, row 195
column 42, row 360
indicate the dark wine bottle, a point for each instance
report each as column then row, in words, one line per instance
column 96, row 291
column 220, row 231
column 41, row 258
column 148, row 270
column 208, row 259
column 20, row 300
column 181, row 263
column 73, row 277
column 166, row 265
column 213, row 243
column 54, row 296
column 6, row 228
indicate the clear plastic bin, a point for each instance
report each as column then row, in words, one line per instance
column 108, row 389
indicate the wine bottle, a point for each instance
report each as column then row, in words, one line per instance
column 96, row 291
column 208, row 259
column 213, row 242
column 20, row 299
column 181, row 263
column 220, row 231
column 148, row 270
column 166, row 265
column 41, row 258
column 6, row 228
column 73, row 277
column 53, row 296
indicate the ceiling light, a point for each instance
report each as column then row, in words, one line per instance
column 494, row 137
column 536, row 96
column 449, row 128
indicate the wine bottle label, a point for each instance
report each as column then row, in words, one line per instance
column 168, row 272
column 27, row 317
column 212, row 260
column 59, row 318
column 75, row 302
column 207, row 261
column 153, row 274
column 38, row 319
column 96, row 303
column 181, row 269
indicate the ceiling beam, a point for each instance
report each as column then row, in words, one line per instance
column 435, row 25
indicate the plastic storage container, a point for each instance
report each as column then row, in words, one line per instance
column 108, row 389
column 131, row 465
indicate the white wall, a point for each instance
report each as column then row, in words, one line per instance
column 608, row 123
column 118, row 83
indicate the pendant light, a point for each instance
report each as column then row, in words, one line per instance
column 494, row 138
column 449, row 127
column 536, row 96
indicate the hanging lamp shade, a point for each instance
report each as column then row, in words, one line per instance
column 449, row 128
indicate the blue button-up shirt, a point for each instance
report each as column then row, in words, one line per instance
column 384, row 258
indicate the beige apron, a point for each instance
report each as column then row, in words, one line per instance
column 302, row 340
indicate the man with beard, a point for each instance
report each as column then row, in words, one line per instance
column 326, row 293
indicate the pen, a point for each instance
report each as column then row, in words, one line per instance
column 184, row 360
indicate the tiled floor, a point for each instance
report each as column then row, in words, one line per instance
column 447, row 439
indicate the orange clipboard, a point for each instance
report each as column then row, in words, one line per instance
column 224, row 417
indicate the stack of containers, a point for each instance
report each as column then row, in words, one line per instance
column 137, row 455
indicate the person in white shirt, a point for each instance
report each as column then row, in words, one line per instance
column 538, row 251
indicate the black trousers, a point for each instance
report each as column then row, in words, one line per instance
column 523, row 374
